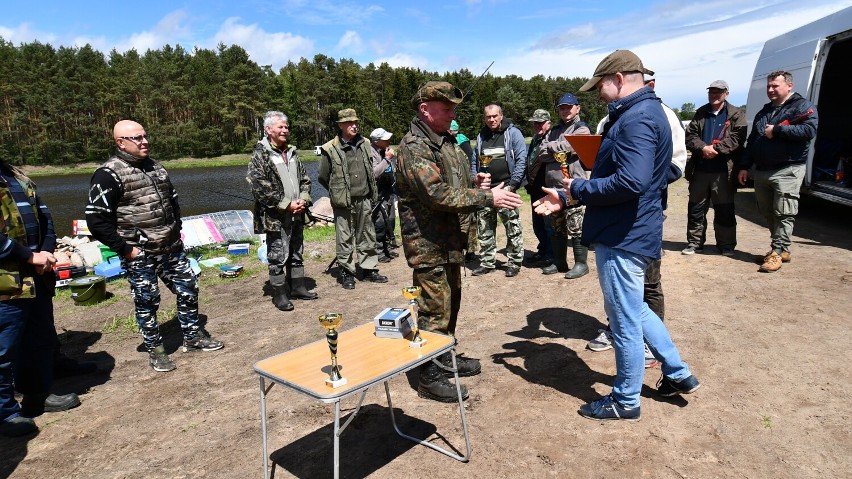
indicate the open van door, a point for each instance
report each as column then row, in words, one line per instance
column 818, row 55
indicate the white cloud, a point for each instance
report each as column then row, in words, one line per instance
column 24, row 33
column 170, row 30
column 325, row 12
column 404, row 60
column 350, row 42
column 265, row 48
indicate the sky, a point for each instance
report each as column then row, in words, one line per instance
column 687, row 43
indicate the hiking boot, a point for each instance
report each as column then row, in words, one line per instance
column 772, row 263
column 159, row 360
column 18, row 426
column 280, row 299
column 481, row 270
column 373, row 276
column 607, row 408
column 201, row 342
column 786, row 257
column 727, row 251
column 347, row 280
column 383, row 258
column 512, row 271
column 650, row 360
column 602, row 342
column 467, row 366
column 435, row 386
column 55, row 403
column 668, row 388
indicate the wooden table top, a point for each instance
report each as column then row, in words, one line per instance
column 363, row 360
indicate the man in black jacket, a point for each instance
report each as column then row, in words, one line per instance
column 777, row 147
column 715, row 137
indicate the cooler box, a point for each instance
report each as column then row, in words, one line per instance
column 238, row 249
column 110, row 269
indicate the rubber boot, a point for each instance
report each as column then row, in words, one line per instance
column 435, row 386
column 298, row 290
column 581, row 253
column 559, row 246
column 280, row 299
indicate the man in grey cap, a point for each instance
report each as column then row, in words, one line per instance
column 435, row 191
column 715, row 137
column 624, row 222
column 346, row 171
column 384, row 213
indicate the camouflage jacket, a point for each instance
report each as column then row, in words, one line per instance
column 435, row 192
column 16, row 275
column 271, row 195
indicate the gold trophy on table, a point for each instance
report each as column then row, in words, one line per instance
column 561, row 157
column 331, row 321
column 411, row 293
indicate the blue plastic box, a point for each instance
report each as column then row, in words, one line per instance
column 110, row 269
column 238, row 249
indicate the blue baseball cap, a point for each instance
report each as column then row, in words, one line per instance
column 568, row 99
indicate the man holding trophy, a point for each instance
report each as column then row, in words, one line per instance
column 434, row 188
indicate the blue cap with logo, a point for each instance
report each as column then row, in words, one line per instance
column 568, row 99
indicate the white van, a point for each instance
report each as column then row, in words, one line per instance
column 818, row 55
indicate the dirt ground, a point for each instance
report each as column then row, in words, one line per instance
column 771, row 351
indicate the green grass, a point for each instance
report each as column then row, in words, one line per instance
column 320, row 233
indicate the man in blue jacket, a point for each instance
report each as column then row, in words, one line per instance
column 777, row 147
column 504, row 143
column 624, row 223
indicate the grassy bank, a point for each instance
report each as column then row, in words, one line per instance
column 88, row 168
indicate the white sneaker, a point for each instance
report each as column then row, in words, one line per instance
column 650, row 360
column 602, row 342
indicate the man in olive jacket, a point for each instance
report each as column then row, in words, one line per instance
column 715, row 137
column 346, row 171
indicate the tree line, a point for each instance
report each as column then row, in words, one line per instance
column 59, row 104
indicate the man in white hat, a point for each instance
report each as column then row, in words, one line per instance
column 384, row 214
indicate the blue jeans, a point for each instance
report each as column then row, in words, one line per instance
column 27, row 342
column 622, row 276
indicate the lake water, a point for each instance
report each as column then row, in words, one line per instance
column 200, row 190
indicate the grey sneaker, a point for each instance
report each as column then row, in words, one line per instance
column 202, row 342
column 159, row 360
column 602, row 342
column 690, row 249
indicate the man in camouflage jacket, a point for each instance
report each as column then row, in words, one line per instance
column 282, row 193
column 434, row 189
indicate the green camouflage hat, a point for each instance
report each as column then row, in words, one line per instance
column 347, row 114
column 437, row 90
column 540, row 116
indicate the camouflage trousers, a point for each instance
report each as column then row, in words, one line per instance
column 284, row 251
column 174, row 270
column 568, row 223
column 487, row 229
column 440, row 298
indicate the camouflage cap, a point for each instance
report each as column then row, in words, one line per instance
column 619, row 61
column 437, row 91
column 346, row 114
column 541, row 115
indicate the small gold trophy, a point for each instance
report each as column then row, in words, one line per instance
column 484, row 161
column 331, row 321
column 411, row 293
column 562, row 158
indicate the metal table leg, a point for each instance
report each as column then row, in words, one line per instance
column 453, row 455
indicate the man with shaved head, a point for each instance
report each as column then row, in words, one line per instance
column 133, row 208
